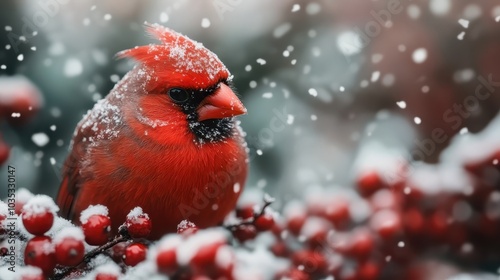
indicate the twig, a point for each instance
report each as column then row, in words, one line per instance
column 251, row 221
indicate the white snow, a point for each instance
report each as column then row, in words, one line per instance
column 419, row 55
column 163, row 17
column 224, row 257
column 69, row 232
column 281, row 30
column 295, row 8
column 267, row 95
column 93, row 210
column 136, row 213
column 313, row 92
column 20, row 57
column 4, row 209
column 107, row 17
column 261, row 61
column 40, row 204
column 417, row 120
column 461, row 35
column 375, row 76
column 185, row 224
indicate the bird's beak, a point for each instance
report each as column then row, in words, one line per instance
column 223, row 103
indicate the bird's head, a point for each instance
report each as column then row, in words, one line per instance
column 182, row 79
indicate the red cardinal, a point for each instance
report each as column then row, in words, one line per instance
column 163, row 139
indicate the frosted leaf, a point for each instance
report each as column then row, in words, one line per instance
column 73, row 67
column 419, row 55
column 93, row 210
column 40, row 139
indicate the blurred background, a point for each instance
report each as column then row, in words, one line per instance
column 322, row 80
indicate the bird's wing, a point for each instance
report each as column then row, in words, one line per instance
column 68, row 190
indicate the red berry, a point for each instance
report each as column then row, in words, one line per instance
column 369, row 182
column 368, row 271
column 69, row 251
column 245, row 212
column 295, row 223
column 205, row 257
column 293, row 274
column 413, row 221
column 134, row 254
column 312, row 261
column 386, row 223
column 264, row 222
column 38, row 223
column 118, row 251
column 244, row 233
column 39, row 252
column 362, row 244
column 166, row 261
column 139, row 224
column 337, row 212
column 96, row 230
column 105, row 276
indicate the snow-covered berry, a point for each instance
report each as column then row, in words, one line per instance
column 245, row 232
column 186, row 227
column 264, row 222
column 96, row 225
column 39, row 252
column 134, row 254
column 138, row 223
column 166, row 258
column 38, row 214
column 69, row 247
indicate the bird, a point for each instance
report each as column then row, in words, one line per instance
column 165, row 138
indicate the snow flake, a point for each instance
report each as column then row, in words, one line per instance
column 20, row 57
column 107, row 17
column 253, row 84
column 236, row 188
column 163, row 17
column 15, row 115
column 313, row 8
column 290, row 119
column 40, row 139
column 205, row 23
column 73, row 67
column 8, row 28
column 267, row 95
column 375, row 76
column 419, row 55
column 248, row 68
column 313, row 92
column 463, row 22
column 295, row 8
column 461, row 35
column 417, row 120
column 401, row 104
column 261, row 61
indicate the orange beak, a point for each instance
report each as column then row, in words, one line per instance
column 222, row 104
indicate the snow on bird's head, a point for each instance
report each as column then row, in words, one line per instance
column 178, row 61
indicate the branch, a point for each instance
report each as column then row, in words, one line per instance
column 268, row 200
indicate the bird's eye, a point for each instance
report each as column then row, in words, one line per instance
column 178, row 95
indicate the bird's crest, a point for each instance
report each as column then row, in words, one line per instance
column 179, row 59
